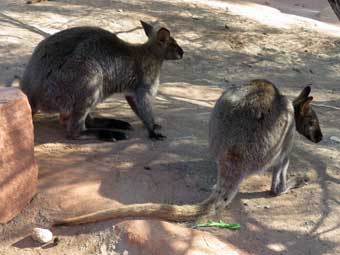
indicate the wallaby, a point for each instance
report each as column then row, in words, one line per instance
column 73, row 70
column 251, row 129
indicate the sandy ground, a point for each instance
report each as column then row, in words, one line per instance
column 314, row 9
column 225, row 42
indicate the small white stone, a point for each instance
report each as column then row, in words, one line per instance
column 42, row 235
column 335, row 139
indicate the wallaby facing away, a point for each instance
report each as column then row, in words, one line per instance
column 73, row 70
column 251, row 129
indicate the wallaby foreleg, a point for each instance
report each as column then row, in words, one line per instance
column 144, row 109
column 132, row 102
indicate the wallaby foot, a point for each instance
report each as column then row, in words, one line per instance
column 76, row 129
column 292, row 183
column 107, row 123
column 106, row 135
column 280, row 184
column 100, row 134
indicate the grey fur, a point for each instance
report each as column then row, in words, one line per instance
column 73, row 70
column 252, row 129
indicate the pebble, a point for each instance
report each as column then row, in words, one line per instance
column 42, row 235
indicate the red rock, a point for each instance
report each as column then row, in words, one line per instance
column 154, row 237
column 18, row 170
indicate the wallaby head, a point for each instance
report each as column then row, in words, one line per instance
column 306, row 120
column 163, row 45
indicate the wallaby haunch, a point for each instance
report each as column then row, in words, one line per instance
column 251, row 129
column 73, row 70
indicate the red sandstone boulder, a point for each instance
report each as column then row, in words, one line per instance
column 18, row 170
column 154, row 237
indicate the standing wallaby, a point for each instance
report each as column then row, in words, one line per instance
column 73, row 70
column 251, row 129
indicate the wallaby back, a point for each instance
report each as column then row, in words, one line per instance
column 58, row 74
column 252, row 120
column 251, row 129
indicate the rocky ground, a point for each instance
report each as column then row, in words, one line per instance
column 225, row 42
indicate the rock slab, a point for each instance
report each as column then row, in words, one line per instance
column 154, row 237
column 18, row 169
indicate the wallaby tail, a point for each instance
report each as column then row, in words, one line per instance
column 15, row 82
column 175, row 213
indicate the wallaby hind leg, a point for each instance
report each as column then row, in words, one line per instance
column 92, row 122
column 280, row 184
column 76, row 129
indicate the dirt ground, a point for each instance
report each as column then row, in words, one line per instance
column 223, row 46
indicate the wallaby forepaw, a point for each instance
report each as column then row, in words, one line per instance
column 156, row 136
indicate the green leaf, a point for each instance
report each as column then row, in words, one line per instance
column 219, row 224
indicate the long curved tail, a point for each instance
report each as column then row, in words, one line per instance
column 151, row 210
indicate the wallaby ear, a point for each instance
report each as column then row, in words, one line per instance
column 305, row 106
column 148, row 29
column 163, row 35
column 303, row 95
